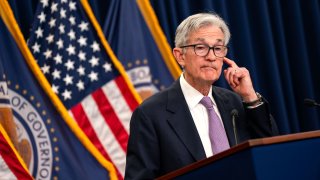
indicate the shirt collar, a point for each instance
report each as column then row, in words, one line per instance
column 192, row 96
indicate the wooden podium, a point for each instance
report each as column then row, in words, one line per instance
column 294, row 156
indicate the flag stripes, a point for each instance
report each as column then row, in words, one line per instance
column 104, row 116
column 111, row 118
column 78, row 113
column 127, row 94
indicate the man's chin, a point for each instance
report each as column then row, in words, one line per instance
column 208, row 81
column 211, row 79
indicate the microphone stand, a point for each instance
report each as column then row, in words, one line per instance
column 234, row 114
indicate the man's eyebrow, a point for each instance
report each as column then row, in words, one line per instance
column 200, row 39
column 203, row 40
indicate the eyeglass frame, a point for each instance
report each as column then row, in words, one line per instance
column 212, row 47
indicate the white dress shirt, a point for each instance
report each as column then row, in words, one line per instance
column 199, row 112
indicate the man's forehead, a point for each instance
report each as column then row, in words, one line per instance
column 206, row 41
column 200, row 39
column 206, row 34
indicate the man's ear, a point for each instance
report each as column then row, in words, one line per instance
column 178, row 54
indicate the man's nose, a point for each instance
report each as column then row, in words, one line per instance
column 211, row 56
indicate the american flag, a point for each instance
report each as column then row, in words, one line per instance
column 84, row 75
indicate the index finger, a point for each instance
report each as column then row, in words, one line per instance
column 230, row 62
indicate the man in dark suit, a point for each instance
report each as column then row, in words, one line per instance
column 174, row 127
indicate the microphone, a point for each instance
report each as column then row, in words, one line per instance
column 234, row 114
column 311, row 103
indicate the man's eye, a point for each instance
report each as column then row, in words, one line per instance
column 201, row 47
column 218, row 48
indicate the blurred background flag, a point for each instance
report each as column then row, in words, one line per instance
column 47, row 146
column 133, row 31
column 83, row 72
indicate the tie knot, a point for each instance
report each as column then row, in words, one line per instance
column 206, row 101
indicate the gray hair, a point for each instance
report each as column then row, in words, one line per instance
column 197, row 21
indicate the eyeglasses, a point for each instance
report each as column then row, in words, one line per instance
column 203, row 50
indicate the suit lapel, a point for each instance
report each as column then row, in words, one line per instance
column 182, row 123
column 224, row 107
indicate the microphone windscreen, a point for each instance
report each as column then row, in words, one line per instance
column 234, row 112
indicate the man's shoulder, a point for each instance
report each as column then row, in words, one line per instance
column 162, row 97
column 156, row 99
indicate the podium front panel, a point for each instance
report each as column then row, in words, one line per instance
column 289, row 160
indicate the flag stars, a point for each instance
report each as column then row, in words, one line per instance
column 93, row 76
column 66, row 94
column 69, row 64
column 83, row 26
column 58, row 59
column 50, row 38
column 82, row 41
column 42, row 17
column 39, row 32
column 52, row 22
column 36, row 48
column 80, row 85
column 68, row 79
column 72, row 35
column 63, row 13
column 107, row 67
column 55, row 89
column 45, row 3
column 95, row 46
column 72, row 6
column 45, row 69
column 72, row 20
column 59, row 43
column 54, row 7
column 94, row 61
column 71, row 50
column 61, row 29
column 81, row 70
column 48, row 53
column 82, row 56
column 56, row 74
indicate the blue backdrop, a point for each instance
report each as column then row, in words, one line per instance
column 278, row 41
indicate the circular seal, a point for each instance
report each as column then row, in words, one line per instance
column 34, row 144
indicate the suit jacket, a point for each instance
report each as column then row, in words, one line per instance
column 163, row 136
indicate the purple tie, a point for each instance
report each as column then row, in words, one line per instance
column 217, row 133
